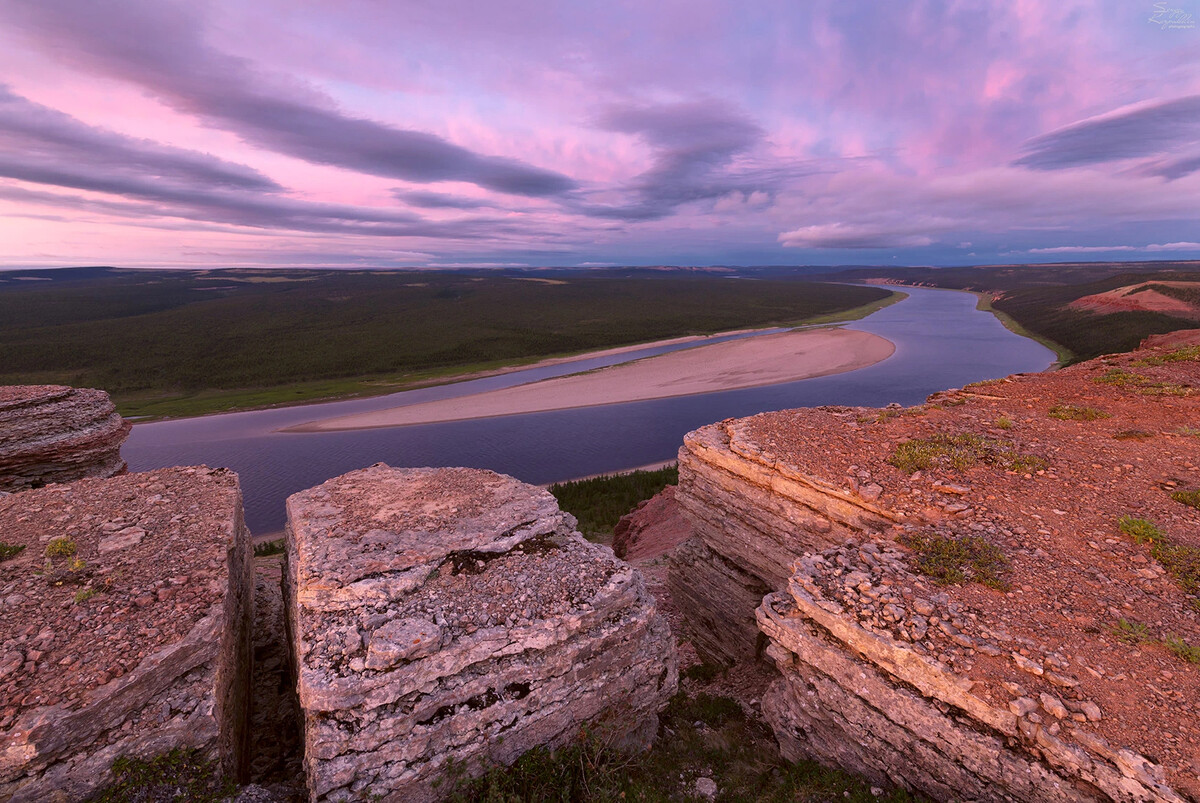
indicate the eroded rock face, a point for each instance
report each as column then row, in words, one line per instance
column 859, row 695
column 125, row 628
column 53, row 433
column 751, row 518
column 1062, row 672
column 443, row 615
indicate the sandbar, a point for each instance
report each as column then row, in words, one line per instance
column 751, row 362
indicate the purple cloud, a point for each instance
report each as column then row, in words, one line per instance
column 1163, row 127
column 437, row 200
column 159, row 46
column 42, row 145
column 694, row 147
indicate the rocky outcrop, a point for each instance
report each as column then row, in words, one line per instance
column 124, row 628
column 860, row 690
column 751, row 517
column 454, row 616
column 52, row 433
column 991, row 596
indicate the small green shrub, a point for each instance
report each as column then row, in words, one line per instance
column 1142, row 531
column 1182, row 562
column 84, row 594
column 1004, row 422
column 1132, row 435
column 1131, row 631
column 60, row 548
column 1189, row 498
column 9, row 551
column 1121, row 378
column 953, row 560
column 1182, row 649
column 961, row 452
column 1072, row 412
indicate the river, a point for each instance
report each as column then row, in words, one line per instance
column 941, row 341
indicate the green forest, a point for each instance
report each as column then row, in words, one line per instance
column 187, row 342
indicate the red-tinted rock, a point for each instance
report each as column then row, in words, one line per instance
column 96, row 661
column 54, row 433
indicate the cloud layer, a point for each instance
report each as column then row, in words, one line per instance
column 170, row 132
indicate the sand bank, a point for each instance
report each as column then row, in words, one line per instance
column 763, row 360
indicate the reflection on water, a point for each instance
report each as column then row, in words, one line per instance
column 941, row 340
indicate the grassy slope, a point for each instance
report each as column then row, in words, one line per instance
column 175, row 342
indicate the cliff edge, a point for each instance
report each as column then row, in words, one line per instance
column 991, row 596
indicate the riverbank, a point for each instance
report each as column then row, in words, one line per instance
column 752, row 362
column 158, row 406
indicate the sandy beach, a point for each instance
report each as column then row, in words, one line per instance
column 762, row 360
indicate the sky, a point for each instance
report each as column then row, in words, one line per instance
column 365, row 133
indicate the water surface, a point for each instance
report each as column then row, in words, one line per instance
column 941, row 340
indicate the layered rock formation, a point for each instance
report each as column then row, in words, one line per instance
column 52, row 433
column 1066, row 671
column 125, row 624
column 446, row 616
column 752, row 517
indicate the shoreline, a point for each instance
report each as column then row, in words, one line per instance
column 141, row 407
column 731, row 365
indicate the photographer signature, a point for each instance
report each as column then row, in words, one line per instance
column 1171, row 18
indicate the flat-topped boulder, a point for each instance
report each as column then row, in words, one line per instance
column 54, row 433
column 991, row 596
column 455, row 615
column 125, row 608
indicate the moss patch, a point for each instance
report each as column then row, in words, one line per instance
column 961, row 452
column 180, row 775
column 1073, row 412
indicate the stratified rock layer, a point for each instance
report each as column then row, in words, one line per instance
column 52, row 433
column 125, row 627
column 752, row 517
column 1068, row 672
column 454, row 615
